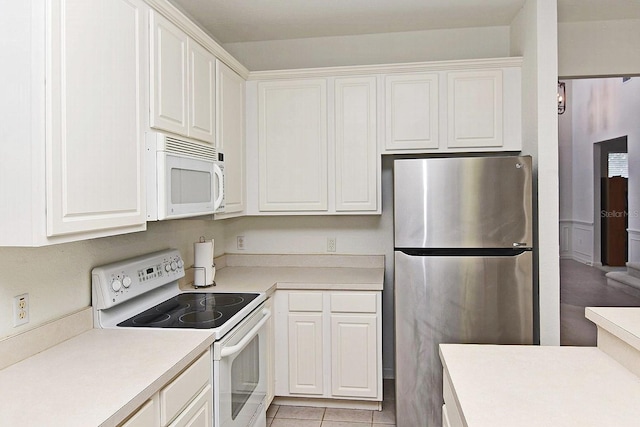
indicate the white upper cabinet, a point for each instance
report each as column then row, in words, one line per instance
column 182, row 82
column 169, row 87
column 475, row 109
column 230, row 135
column 356, row 157
column 73, row 147
column 459, row 107
column 412, row 111
column 96, row 109
column 202, row 77
column 292, row 145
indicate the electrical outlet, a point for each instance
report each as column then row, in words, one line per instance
column 20, row 309
column 240, row 242
column 331, row 244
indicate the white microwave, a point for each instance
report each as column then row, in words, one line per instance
column 184, row 178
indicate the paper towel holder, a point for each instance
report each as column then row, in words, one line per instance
column 204, row 271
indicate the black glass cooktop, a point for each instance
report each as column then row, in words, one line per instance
column 198, row 310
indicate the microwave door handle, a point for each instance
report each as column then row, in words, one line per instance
column 218, row 172
column 228, row 351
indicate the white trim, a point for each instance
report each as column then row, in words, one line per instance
column 634, row 245
column 359, row 70
column 174, row 15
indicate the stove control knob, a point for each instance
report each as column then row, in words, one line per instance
column 174, row 265
column 180, row 263
column 116, row 285
column 167, row 267
column 126, row 282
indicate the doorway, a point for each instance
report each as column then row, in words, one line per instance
column 611, row 169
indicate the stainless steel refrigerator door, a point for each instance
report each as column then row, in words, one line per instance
column 448, row 299
column 474, row 202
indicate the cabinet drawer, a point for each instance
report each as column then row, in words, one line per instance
column 199, row 413
column 305, row 301
column 353, row 302
column 145, row 416
column 177, row 395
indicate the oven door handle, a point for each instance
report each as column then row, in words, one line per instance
column 228, row 351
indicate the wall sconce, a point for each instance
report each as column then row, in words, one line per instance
column 562, row 98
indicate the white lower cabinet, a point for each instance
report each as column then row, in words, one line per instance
column 148, row 415
column 451, row 414
column 329, row 344
column 186, row 401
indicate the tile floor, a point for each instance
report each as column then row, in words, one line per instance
column 300, row 416
column 585, row 286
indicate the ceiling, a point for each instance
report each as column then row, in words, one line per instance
column 231, row 21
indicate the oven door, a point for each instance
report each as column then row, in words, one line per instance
column 188, row 186
column 240, row 373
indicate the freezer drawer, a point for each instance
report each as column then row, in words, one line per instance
column 474, row 202
column 453, row 299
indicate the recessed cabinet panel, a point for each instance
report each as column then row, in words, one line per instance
column 95, row 110
column 412, row 111
column 230, row 111
column 292, row 145
column 305, row 353
column 356, row 144
column 148, row 415
column 201, row 92
column 168, row 76
column 475, row 112
column 353, row 355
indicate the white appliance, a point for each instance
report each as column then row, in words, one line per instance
column 184, row 178
column 143, row 292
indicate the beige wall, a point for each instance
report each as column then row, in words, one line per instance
column 599, row 48
column 412, row 46
column 58, row 277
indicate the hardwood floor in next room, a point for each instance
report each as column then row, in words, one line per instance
column 300, row 416
column 585, row 286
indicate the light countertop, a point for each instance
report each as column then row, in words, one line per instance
column 268, row 279
column 622, row 322
column 266, row 273
column 541, row 385
column 96, row 378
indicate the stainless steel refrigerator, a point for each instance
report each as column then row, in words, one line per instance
column 463, row 268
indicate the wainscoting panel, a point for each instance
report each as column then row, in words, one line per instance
column 634, row 245
column 566, row 244
column 582, row 241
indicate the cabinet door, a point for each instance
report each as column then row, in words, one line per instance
column 199, row 413
column 411, row 111
column 146, row 416
column 201, row 92
column 305, row 353
column 475, row 109
column 354, row 355
column 230, row 134
column 95, row 110
column 292, row 145
column 168, row 76
column 356, row 144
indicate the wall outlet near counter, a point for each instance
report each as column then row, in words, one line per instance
column 20, row 309
column 240, row 242
column 331, row 244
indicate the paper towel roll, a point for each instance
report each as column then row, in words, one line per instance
column 204, row 271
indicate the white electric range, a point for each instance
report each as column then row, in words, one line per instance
column 143, row 292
